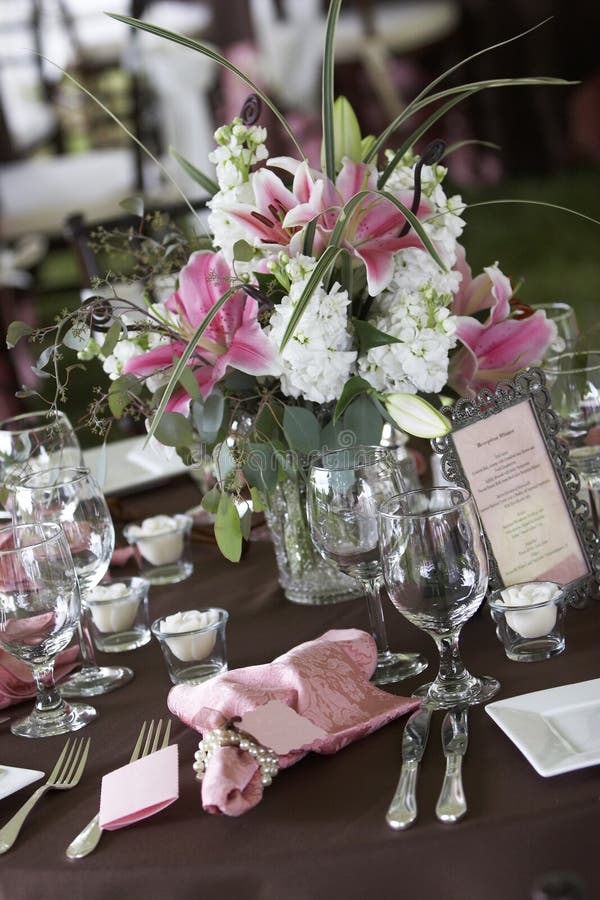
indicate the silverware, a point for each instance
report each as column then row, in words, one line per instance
column 87, row 839
column 65, row 775
column 403, row 808
column 451, row 805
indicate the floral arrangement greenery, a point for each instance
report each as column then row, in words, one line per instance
column 322, row 304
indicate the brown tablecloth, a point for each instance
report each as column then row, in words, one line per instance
column 320, row 830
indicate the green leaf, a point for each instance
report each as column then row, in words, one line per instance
column 363, row 421
column 77, row 337
column 189, row 384
column 369, row 336
column 223, row 460
column 246, row 523
column 174, row 430
column 133, row 205
column 257, row 501
column 228, row 532
column 243, row 251
column 211, row 187
column 17, row 330
column 268, row 423
column 216, row 57
column 260, row 467
column 566, row 209
column 45, row 357
column 301, row 429
column 208, row 416
column 121, row 392
column 353, row 387
column 346, row 131
column 210, row 501
column 416, row 416
column 332, row 436
column 112, row 338
column 328, row 88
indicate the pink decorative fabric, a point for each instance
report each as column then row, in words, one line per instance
column 16, row 680
column 325, row 680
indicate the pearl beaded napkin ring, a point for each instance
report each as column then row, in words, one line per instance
column 229, row 736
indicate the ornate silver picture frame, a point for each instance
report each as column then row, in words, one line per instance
column 504, row 447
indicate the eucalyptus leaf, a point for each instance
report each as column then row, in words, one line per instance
column 16, row 331
column 363, row 420
column 301, row 428
column 112, row 338
column 120, row 393
column 257, row 501
column 228, row 531
column 246, row 523
column 45, row 357
column 189, row 383
column 133, row 205
column 260, row 467
column 77, row 337
column 243, row 251
column 174, row 430
column 353, row 387
column 223, row 460
column 210, row 501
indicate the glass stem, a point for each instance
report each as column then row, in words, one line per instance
column 372, row 588
column 452, row 668
column 88, row 654
column 48, row 697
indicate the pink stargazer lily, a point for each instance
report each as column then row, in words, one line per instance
column 372, row 233
column 232, row 339
column 494, row 350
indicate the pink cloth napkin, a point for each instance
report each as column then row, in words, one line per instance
column 325, row 680
column 122, row 555
column 16, row 680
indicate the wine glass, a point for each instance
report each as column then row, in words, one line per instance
column 39, row 611
column 567, row 329
column 435, row 568
column 573, row 380
column 345, row 488
column 72, row 497
column 34, row 441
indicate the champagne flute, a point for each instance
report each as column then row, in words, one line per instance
column 34, row 441
column 345, row 488
column 72, row 497
column 435, row 568
column 39, row 611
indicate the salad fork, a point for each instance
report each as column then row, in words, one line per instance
column 65, row 775
column 87, row 839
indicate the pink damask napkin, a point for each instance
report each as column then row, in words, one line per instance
column 16, row 680
column 325, row 680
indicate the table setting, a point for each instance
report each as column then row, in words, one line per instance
column 280, row 707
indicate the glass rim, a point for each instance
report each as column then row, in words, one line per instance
column 564, row 309
column 376, row 449
column 504, row 607
column 222, row 620
column 55, row 529
column 466, row 496
column 59, row 414
column 551, row 369
column 82, row 472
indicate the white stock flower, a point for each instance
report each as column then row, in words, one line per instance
column 318, row 359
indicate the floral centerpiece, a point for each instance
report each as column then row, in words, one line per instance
column 324, row 303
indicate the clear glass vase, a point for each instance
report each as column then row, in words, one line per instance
column 303, row 573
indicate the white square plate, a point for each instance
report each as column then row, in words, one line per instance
column 557, row 730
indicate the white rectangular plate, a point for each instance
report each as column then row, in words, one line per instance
column 13, row 779
column 557, row 730
column 129, row 465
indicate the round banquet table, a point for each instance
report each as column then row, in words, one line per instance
column 320, row 829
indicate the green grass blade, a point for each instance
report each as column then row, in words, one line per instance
column 573, row 212
column 210, row 186
column 174, row 380
column 417, row 134
column 320, row 271
column 216, row 57
column 328, row 89
column 452, row 148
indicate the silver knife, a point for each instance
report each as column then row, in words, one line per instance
column 451, row 805
column 403, row 808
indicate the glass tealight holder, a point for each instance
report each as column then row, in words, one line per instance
column 118, row 611
column 194, row 647
column 530, row 631
column 163, row 544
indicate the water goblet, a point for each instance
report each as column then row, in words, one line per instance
column 34, row 441
column 567, row 329
column 72, row 497
column 435, row 568
column 345, row 488
column 39, row 611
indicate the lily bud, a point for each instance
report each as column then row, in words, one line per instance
column 416, row 416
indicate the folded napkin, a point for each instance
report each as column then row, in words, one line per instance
column 122, row 555
column 16, row 680
column 325, row 680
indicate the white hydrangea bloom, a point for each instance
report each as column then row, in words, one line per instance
column 138, row 342
column 426, row 333
column 318, row 359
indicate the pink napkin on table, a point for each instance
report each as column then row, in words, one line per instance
column 325, row 680
column 122, row 555
column 16, row 680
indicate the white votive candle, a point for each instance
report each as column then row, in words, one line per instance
column 113, row 606
column 537, row 621
column 192, row 643
column 159, row 539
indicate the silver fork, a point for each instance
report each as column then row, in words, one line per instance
column 65, row 775
column 87, row 839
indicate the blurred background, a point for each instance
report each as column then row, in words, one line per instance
column 63, row 156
